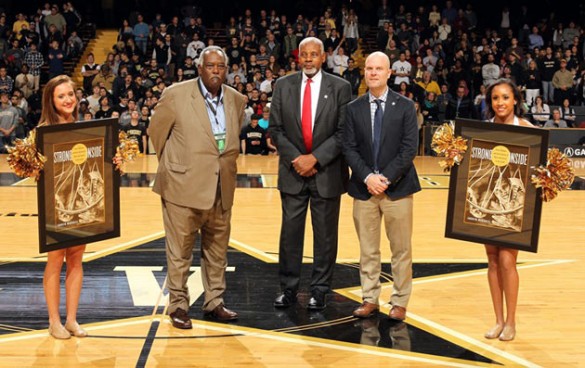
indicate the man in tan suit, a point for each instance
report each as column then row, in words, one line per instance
column 195, row 131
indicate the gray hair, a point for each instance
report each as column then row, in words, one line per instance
column 312, row 40
column 217, row 49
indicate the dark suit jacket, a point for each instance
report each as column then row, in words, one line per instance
column 285, row 130
column 398, row 146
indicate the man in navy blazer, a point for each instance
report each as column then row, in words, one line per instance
column 380, row 144
column 307, row 114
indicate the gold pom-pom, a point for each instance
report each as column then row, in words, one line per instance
column 24, row 158
column 445, row 144
column 556, row 176
column 126, row 151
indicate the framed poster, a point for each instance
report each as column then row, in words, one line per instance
column 79, row 190
column 491, row 199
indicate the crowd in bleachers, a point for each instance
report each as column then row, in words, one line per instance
column 440, row 57
column 32, row 44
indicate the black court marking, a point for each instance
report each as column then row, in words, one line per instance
column 145, row 352
column 251, row 290
column 164, row 337
column 16, row 214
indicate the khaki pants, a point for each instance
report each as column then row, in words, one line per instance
column 181, row 226
column 398, row 218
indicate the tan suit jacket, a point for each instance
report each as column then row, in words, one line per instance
column 190, row 164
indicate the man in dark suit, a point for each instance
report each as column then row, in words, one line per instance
column 380, row 144
column 195, row 129
column 306, row 119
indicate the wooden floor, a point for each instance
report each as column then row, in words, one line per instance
column 453, row 306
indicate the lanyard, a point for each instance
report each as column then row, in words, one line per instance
column 209, row 103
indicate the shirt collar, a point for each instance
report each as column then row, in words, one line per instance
column 316, row 78
column 382, row 98
column 206, row 93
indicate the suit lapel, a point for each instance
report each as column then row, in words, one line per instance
column 295, row 95
column 366, row 120
column 324, row 94
column 200, row 109
column 391, row 101
column 230, row 115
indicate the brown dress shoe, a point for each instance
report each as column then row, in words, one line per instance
column 221, row 313
column 398, row 313
column 181, row 319
column 366, row 310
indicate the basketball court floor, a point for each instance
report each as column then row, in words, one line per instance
column 123, row 303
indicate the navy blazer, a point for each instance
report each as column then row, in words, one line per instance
column 286, row 131
column 398, row 146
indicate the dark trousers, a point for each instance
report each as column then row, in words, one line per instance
column 325, row 222
column 560, row 95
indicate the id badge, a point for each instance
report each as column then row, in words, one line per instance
column 220, row 140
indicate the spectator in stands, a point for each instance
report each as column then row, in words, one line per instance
column 535, row 39
column 264, row 122
column 268, row 82
column 428, row 84
column 74, row 45
column 570, row 33
column 353, row 76
column 141, row 32
column 236, row 71
column 105, row 110
column 401, row 70
column 430, row 60
column 273, row 65
column 253, row 138
column 533, row 82
column 126, row 31
column 93, row 100
column 18, row 24
column 548, row 65
column 72, row 17
column 480, row 104
column 162, row 54
column 135, row 51
column 105, row 77
column 24, row 81
column 56, row 58
column 430, row 108
column 89, row 70
column 568, row 113
column 235, row 51
column 56, row 19
column 556, row 121
column 340, row 61
column 195, row 47
column 13, row 58
column 6, row 81
column 540, row 111
column 333, row 40
column 189, row 68
column 136, row 130
column 291, row 41
column 351, row 32
column 460, row 106
column 563, row 83
column 83, row 110
column 273, row 47
column 8, row 120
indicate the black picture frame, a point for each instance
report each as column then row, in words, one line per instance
column 79, row 190
column 491, row 199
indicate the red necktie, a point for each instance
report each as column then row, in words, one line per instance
column 306, row 118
